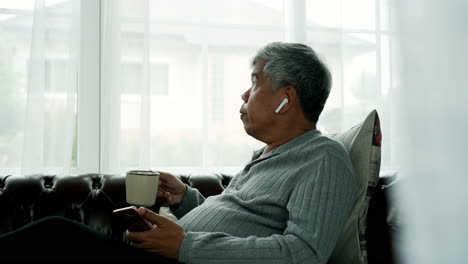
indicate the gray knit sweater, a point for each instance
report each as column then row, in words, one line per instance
column 288, row 206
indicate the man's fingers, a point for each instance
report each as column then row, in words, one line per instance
column 164, row 198
column 162, row 188
column 164, row 177
column 162, row 193
column 143, row 245
column 135, row 237
column 152, row 217
column 169, row 200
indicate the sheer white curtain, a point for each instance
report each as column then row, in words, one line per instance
column 355, row 39
column 171, row 76
column 431, row 124
column 173, row 73
column 44, row 86
column 111, row 87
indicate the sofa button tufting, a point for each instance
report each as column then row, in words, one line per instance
column 96, row 185
column 48, row 181
column 48, row 184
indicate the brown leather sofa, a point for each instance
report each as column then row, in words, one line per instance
column 90, row 199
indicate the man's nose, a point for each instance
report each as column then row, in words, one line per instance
column 245, row 96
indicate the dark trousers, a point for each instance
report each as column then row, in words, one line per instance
column 58, row 238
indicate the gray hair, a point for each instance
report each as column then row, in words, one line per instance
column 299, row 66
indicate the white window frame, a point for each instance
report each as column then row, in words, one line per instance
column 89, row 92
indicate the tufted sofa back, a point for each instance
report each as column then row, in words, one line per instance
column 90, row 199
column 87, row 198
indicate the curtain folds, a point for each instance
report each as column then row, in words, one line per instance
column 431, row 123
column 115, row 95
column 50, row 117
column 171, row 76
column 111, row 87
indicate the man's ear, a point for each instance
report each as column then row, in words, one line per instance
column 290, row 92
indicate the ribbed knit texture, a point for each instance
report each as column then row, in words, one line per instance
column 288, row 206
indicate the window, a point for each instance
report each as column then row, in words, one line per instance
column 354, row 38
column 205, row 47
column 159, row 78
column 50, row 106
column 157, row 84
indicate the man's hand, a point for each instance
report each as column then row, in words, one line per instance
column 171, row 189
column 165, row 239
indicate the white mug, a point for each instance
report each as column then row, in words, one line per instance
column 141, row 187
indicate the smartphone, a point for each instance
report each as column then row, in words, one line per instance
column 131, row 220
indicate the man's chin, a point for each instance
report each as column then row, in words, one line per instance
column 246, row 129
column 250, row 131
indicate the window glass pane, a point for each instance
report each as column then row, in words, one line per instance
column 385, row 14
column 159, row 78
column 324, row 13
column 22, row 5
column 219, row 12
column 15, row 48
column 356, row 14
column 14, row 54
column 244, row 12
column 199, row 69
column 360, row 63
column 227, row 142
column 359, row 14
column 57, row 3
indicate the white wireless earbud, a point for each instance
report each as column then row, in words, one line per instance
column 284, row 102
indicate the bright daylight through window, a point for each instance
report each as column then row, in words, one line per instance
column 107, row 86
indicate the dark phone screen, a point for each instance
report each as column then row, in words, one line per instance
column 129, row 218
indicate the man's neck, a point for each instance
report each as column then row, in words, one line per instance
column 284, row 139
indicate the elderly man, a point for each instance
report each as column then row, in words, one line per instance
column 290, row 202
column 288, row 205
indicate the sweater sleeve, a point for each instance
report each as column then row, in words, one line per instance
column 318, row 207
column 192, row 199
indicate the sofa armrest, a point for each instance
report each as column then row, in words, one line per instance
column 382, row 225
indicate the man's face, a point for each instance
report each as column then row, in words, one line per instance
column 260, row 102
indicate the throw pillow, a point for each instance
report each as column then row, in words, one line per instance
column 363, row 143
